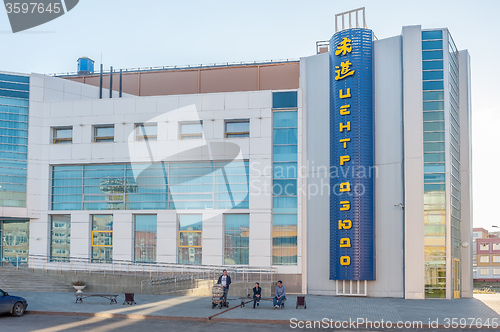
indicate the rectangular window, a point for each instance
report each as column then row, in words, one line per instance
column 286, row 99
column 62, row 135
column 237, row 128
column 145, row 238
column 484, row 259
column 284, row 239
column 102, row 238
column 190, row 239
column 484, row 246
column 496, row 246
column 60, row 235
column 14, row 242
column 484, row 272
column 496, row 272
column 496, row 259
column 236, row 230
column 432, row 34
column 191, row 130
column 146, row 132
column 104, row 133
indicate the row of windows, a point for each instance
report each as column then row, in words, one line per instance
column 149, row 131
column 486, row 246
column 486, row 272
column 486, row 259
column 189, row 244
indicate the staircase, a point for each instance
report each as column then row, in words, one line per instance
column 23, row 280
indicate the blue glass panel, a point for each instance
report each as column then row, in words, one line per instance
column 434, row 157
column 433, row 187
column 285, row 187
column 66, row 190
column 14, row 86
column 284, row 219
column 285, row 153
column 433, row 147
column 148, row 197
column 13, row 140
column 284, row 204
column 14, row 78
column 13, row 132
column 434, row 34
column 284, row 170
column 433, row 116
column 433, row 105
column 432, row 55
column 232, row 179
column 433, row 85
column 13, row 116
column 433, row 95
column 237, row 126
column 434, row 126
column 432, row 45
column 12, row 179
column 431, row 65
column 146, row 206
column 14, row 148
column 14, row 102
column 432, row 75
column 13, row 187
column 11, row 155
column 66, row 206
column 434, row 168
column 286, row 119
column 433, row 137
column 285, row 136
column 14, row 125
column 12, row 171
column 14, row 94
column 434, row 178
column 287, row 99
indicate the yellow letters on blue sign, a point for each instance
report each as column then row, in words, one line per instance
column 344, row 110
column 345, row 224
column 344, row 141
column 345, row 186
column 344, row 159
column 346, row 95
column 346, row 205
column 345, row 243
column 346, row 126
column 344, row 47
column 345, row 260
column 344, row 70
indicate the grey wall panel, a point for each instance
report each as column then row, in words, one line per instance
column 414, row 166
column 316, row 83
column 466, row 171
column 389, row 161
column 389, row 164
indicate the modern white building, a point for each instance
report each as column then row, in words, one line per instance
column 239, row 165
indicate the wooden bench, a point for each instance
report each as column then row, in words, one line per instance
column 262, row 298
column 110, row 297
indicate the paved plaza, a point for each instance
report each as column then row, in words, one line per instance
column 336, row 309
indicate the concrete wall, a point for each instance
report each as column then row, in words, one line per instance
column 466, row 171
column 167, row 112
column 388, row 161
column 414, row 163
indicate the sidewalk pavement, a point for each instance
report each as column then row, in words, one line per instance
column 339, row 309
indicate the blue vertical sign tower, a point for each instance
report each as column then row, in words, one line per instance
column 352, row 229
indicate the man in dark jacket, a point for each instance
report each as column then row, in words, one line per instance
column 256, row 294
column 225, row 281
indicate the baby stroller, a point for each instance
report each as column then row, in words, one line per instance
column 217, row 294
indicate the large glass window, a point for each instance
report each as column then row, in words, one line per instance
column 104, row 133
column 484, row 272
column 15, row 241
column 60, row 237
column 62, row 135
column 191, row 130
column 236, row 230
column 186, row 185
column 484, row 259
column 285, row 125
column 237, row 128
column 145, row 238
column 484, row 246
column 102, row 238
column 190, row 239
column 14, row 109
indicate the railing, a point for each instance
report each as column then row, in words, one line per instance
column 200, row 66
column 149, row 270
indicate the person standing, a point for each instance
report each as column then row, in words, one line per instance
column 279, row 292
column 225, row 281
column 256, row 294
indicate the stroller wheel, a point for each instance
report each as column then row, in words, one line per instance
column 213, row 305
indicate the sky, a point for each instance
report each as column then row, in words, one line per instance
column 148, row 33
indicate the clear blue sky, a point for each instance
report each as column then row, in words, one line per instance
column 159, row 32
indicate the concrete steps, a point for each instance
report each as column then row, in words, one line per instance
column 24, row 280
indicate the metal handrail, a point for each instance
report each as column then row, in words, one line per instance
column 158, row 68
column 239, row 273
